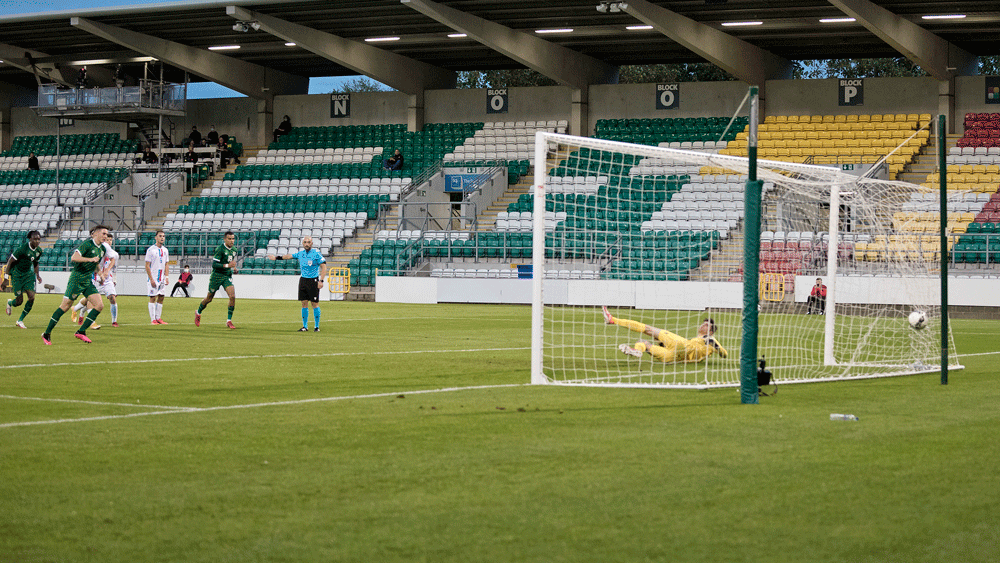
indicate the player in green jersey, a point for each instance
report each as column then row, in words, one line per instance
column 223, row 268
column 85, row 260
column 23, row 269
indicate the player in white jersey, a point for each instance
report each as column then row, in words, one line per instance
column 157, row 269
column 104, row 281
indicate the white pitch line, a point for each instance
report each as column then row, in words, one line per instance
column 99, row 403
column 176, row 410
column 259, row 357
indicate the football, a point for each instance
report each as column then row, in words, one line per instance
column 918, row 320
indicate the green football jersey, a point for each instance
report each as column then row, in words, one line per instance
column 88, row 250
column 26, row 259
column 223, row 256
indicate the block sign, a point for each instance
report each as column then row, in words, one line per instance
column 993, row 89
column 668, row 96
column 340, row 105
column 851, row 92
column 496, row 100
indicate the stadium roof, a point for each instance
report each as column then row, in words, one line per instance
column 789, row 29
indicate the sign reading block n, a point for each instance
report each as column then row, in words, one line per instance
column 340, row 105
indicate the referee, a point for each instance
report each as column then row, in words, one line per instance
column 313, row 268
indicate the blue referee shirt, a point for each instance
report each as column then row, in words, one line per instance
column 309, row 262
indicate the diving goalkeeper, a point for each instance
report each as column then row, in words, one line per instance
column 670, row 347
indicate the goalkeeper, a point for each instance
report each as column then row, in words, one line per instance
column 670, row 347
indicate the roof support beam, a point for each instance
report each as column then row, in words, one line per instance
column 396, row 71
column 745, row 61
column 565, row 66
column 64, row 75
column 941, row 59
column 246, row 78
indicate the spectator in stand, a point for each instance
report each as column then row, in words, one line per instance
column 183, row 281
column 147, row 157
column 195, row 136
column 191, row 156
column 225, row 154
column 284, row 128
column 394, row 162
column 32, row 161
column 817, row 298
column 212, row 137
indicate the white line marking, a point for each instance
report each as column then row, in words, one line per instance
column 100, row 403
column 261, row 356
column 176, row 410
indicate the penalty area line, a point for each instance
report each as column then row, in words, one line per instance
column 178, row 410
column 261, row 357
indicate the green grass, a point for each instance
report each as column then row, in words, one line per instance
column 264, row 444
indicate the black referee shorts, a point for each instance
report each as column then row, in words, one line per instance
column 309, row 289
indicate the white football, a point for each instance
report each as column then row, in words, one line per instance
column 918, row 319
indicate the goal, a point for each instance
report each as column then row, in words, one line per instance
column 655, row 234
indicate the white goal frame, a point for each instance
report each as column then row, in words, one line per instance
column 891, row 299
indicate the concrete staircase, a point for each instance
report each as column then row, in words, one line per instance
column 156, row 222
column 926, row 161
column 487, row 218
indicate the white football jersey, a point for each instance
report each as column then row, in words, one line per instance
column 157, row 257
column 109, row 255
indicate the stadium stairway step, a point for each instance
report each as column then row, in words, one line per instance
column 926, row 161
column 363, row 239
column 487, row 218
column 157, row 221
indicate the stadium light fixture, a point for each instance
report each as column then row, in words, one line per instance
column 943, row 17
column 557, row 30
column 223, row 47
column 638, row 27
column 381, row 39
column 741, row 24
column 610, row 7
column 457, row 35
column 837, row 20
column 289, row 44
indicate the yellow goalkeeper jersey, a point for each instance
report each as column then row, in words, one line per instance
column 676, row 348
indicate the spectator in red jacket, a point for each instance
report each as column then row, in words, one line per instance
column 817, row 298
column 183, row 281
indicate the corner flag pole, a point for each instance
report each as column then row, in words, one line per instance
column 749, row 391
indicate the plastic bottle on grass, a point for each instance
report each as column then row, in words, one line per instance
column 843, row 417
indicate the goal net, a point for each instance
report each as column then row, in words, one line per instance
column 655, row 235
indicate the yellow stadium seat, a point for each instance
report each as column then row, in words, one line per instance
column 789, row 118
column 873, row 118
column 851, row 118
column 770, row 119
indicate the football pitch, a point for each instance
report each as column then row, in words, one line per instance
column 409, row 433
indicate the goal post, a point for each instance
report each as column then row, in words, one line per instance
column 657, row 236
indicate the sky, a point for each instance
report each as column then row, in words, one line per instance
column 200, row 90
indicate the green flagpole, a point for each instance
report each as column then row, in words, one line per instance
column 749, row 391
column 943, row 180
